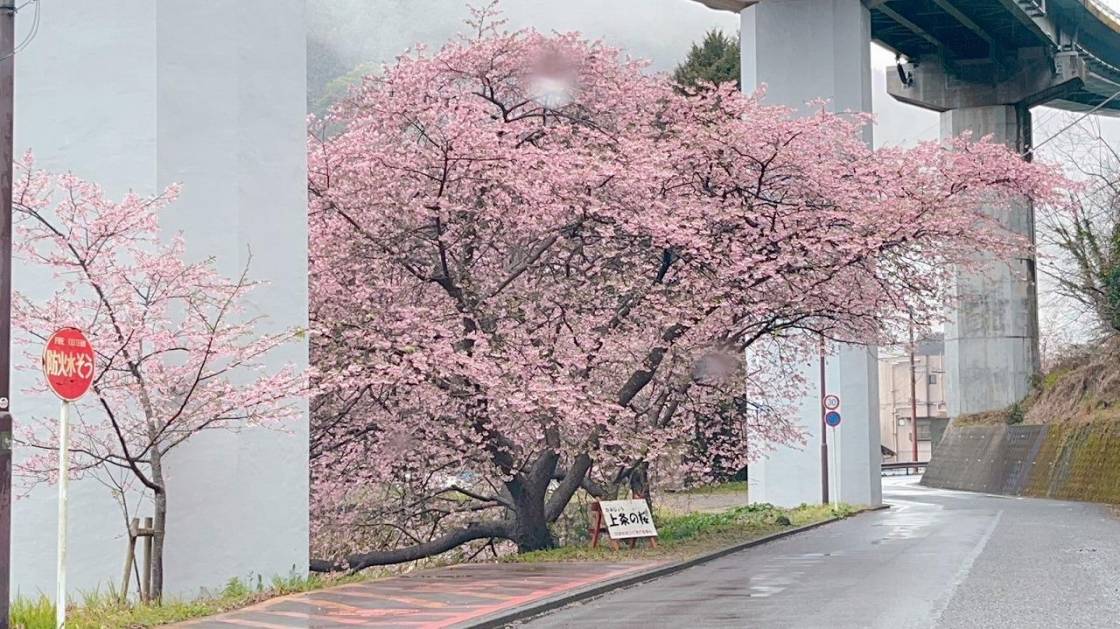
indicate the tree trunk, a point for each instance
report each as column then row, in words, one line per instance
column 528, row 490
column 442, row 544
column 525, row 524
column 159, row 522
column 530, row 527
column 639, row 481
column 637, row 477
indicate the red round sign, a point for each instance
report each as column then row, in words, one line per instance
column 68, row 363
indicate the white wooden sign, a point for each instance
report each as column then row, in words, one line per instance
column 627, row 519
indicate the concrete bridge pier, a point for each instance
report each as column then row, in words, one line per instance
column 983, row 64
column 991, row 340
column 804, row 50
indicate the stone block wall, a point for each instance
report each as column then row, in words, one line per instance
column 1071, row 461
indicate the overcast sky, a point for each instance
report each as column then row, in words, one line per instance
column 346, row 33
column 343, row 34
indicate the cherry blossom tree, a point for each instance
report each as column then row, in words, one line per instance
column 176, row 351
column 537, row 268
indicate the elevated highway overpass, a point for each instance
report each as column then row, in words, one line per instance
column 986, row 41
column 983, row 64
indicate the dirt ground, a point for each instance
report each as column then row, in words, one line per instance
column 700, row 502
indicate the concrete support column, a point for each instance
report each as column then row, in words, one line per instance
column 212, row 94
column 991, row 340
column 803, row 50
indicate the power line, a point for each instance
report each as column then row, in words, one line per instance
column 31, row 33
column 1049, row 117
column 1072, row 124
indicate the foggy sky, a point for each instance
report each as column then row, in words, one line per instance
column 343, row 34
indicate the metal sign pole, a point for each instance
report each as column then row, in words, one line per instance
column 914, row 394
column 832, row 421
column 68, row 361
column 63, row 478
column 824, row 431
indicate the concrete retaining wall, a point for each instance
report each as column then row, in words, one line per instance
column 1068, row 461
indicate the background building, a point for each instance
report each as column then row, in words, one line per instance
column 136, row 95
column 895, row 413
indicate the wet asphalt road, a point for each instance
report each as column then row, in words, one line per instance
column 936, row 559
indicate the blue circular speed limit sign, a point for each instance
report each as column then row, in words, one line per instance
column 832, row 418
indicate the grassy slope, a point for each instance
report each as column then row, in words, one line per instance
column 1082, row 388
column 681, row 536
column 1078, row 457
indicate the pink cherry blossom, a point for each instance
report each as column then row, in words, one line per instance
column 556, row 293
column 176, row 352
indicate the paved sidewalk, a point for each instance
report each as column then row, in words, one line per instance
column 442, row 597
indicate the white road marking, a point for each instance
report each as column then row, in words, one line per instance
column 965, row 569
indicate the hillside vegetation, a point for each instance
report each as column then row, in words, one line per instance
column 1062, row 442
column 1081, row 387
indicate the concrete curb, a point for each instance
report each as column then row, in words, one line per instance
column 536, row 608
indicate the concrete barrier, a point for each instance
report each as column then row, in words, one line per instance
column 1068, row 461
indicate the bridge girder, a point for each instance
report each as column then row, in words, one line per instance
column 935, row 87
column 969, row 38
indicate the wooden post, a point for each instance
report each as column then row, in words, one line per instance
column 597, row 527
column 146, row 579
column 129, row 558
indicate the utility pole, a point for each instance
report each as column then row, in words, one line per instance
column 7, row 108
column 913, row 395
column 824, row 433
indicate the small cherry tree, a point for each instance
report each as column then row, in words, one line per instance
column 176, row 352
column 536, row 268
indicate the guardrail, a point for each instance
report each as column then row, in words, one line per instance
column 904, row 468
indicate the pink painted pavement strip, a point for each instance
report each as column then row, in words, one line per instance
column 431, row 599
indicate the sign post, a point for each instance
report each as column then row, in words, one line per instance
column 68, row 369
column 63, row 482
column 832, row 419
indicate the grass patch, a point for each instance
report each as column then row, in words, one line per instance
column 1054, row 376
column 694, row 533
column 32, row 613
column 986, row 418
column 100, row 610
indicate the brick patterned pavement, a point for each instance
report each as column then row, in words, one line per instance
column 443, row 597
